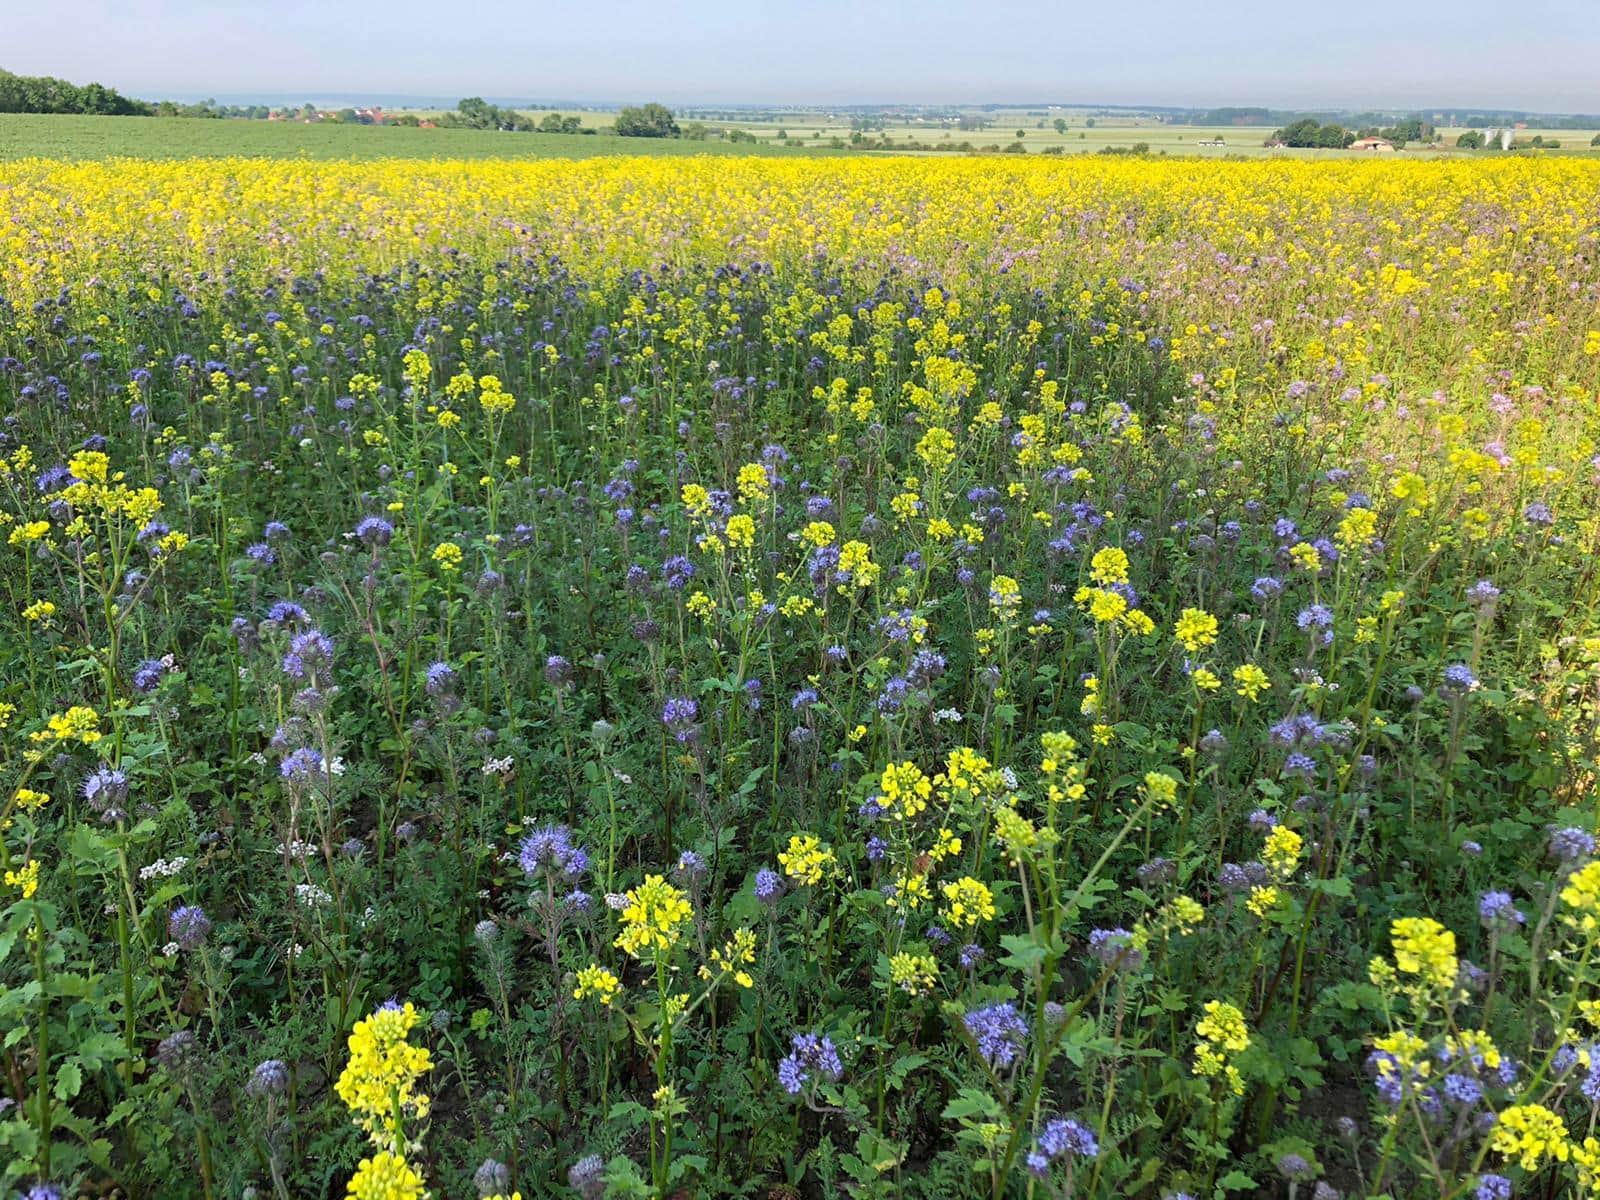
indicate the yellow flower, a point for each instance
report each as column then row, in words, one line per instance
column 754, row 484
column 653, row 917
column 382, row 1073
column 493, row 398
column 945, row 845
column 1282, row 851
column 911, row 891
column 1223, row 1025
column 1306, row 556
column 1582, row 893
column 806, row 860
column 1204, row 680
column 1424, row 948
column 385, row 1176
column 79, row 723
column 1251, row 681
column 968, row 901
column 1196, row 629
column 29, row 800
column 448, row 556
column 1185, row 913
column 26, row 880
column 27, row 534
column 1412, row 489
column 1359, row 527
column 700, row 605
column 915, row 974
column 937, row 448
column 696, row 499
column 1530, row 1133
column 1161, row 788
column 732, row 957
column 855, row 560
column 594, row 980
column 741, row 531
column 1262, row 900
column 903, row 790
column 1100, row 603
column 1222, row 1035
column 1004, row 594
column 818, row 534
column 1109, row 565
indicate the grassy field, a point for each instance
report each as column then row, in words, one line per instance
column 23, row 136
column 27, row 136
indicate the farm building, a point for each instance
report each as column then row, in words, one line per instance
column 1373, row 144
column 1212, row 142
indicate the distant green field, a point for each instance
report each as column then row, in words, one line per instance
column 176, row 137
column 24, row 136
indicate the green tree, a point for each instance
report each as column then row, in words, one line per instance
column 650, row 120
column 1061, row 125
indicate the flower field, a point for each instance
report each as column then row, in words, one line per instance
column 688, row 677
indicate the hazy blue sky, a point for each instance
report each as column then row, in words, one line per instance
column 1536, row 54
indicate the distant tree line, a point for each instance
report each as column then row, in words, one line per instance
column 44, row 94
column 1312, row 133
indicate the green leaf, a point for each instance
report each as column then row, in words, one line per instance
column 69, row 1080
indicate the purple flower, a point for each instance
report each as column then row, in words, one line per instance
column 148, row 674
column 999, row 1032
column 309, row 653
column 1114, row 947
column 1570, row 844
column 1266, row 587
column 813, row 1056
column 1492, row 1187
column 1457, row 680
column 1061, row 1136
column 270, row 1078
column 678, row 714
column 188, row 925
column 442, row 679
column 1462, row 1090
column 550, row 848
column 1496, row 909
column 374, row 531
column 1317, row 616
column 300, row 765
column 769, row 885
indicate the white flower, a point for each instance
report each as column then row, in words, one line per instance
column 163, row 868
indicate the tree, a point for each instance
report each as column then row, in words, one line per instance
column 1089, row 123
column 651, row 120
column 1595, row 141
column 1022, row 133
column 1470, row 140
column 1061, row 125
column 1306, row 133
column 46, row 94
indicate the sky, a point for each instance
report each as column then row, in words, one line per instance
column 1539, row 55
